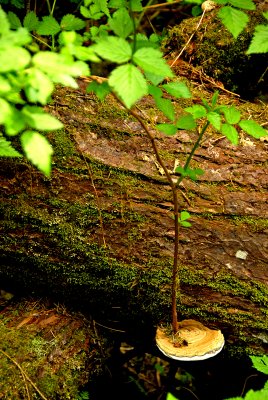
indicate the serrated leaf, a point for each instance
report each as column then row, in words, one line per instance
column 38, row 150
column 48, row 26
column 9, row 54
column 148, row 58
column 85, row 12
column 121, row 23
column 13, row 20
column 260, row 363
column 215, row 119
column 31, row 21
column 197, row 111
column 167, row 129
column 186, row 122
column 114, row 49
column 40, row 120
column 178, row 90
column 71, row 23
column 253, row 128
column 245, row 4
column 129, row 83
column 6, row 149
column 259, row 42
column 234, row 20
column 100, row 89
column 166, row 106
column 38, row 87
column 230, row 132
column 103, row 6
column 232, row 115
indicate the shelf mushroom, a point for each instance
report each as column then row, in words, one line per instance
column 193, row 342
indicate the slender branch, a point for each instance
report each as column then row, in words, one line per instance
column 24, row 374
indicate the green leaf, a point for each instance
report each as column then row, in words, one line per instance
column 184, row 215
column 166, row 106
column 253, row 128
column 189, row 172
column 85, row 53
column 150, row 60
column 48, row 26
column 5, row 85
column 171, row 397
column 6, row 149
column 155, row 91
column 197, row 111
column 178, row 90
column 114, row 49
column 38, row 86
column 38, row 150
column 31, row 21
column 185, row 224
column 71, row 23
column 5, row 110
column 245, row 4
column 60, row 67
column 265, row 14
column 234, row 20
column 9, row 54
column 260, row 363
column 186, row 122
column 167, row 129
column 135, row 5
column 15, row 123
column 129, row 83
column 121, row 23
column 37, row 119
column 85, row 12
column 155, row 79
column 13, row 20
column 4, row 22
column 230, row 132
column 103, row 6
column 215, row 119
column 214, row 98
column 232, row 114
column 100, row 89
column 259, row 42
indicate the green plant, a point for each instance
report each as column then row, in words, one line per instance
column 117, row 41
column 261, row 364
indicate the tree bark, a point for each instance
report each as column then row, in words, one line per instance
column 99, row 234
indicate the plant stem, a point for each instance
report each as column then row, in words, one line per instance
column 174, row 188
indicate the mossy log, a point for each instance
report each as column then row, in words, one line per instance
column 45, row 351
column 99, row 234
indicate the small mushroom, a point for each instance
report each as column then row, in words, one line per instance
column 208, row 5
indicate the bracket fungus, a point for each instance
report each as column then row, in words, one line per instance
column 193, row 342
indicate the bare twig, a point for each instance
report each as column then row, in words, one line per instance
column 24, row 374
